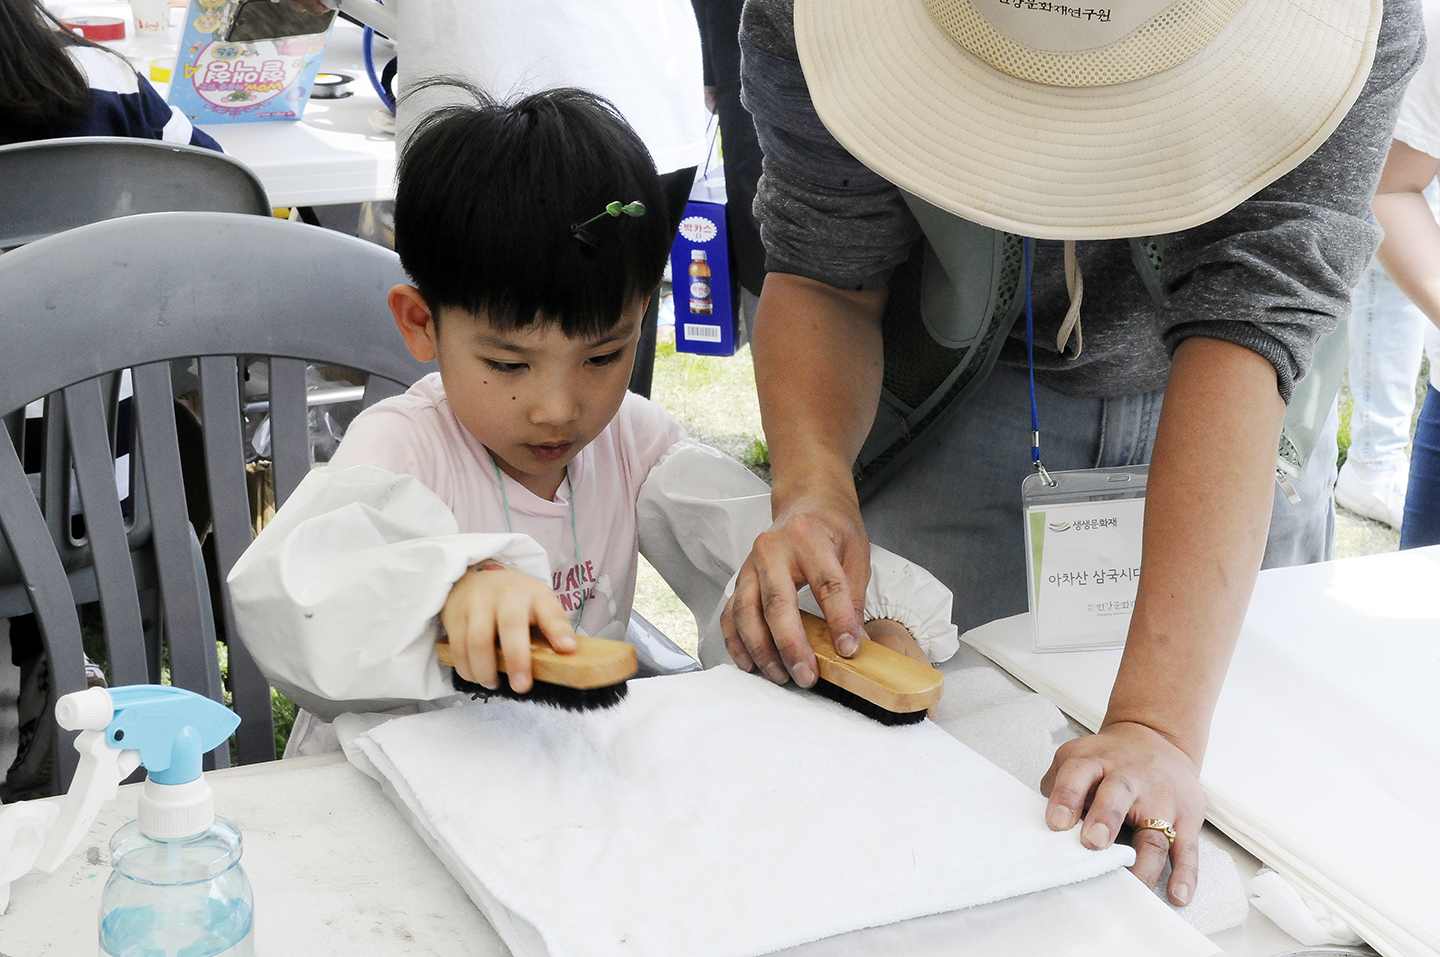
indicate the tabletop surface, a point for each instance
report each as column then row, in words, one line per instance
column 335, row 870
column 333, row 155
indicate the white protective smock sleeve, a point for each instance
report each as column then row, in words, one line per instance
column 338, row 597
column 699, row 513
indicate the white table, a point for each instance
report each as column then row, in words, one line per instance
column 330, row 156
column 337, row 870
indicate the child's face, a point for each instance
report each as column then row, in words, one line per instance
column 533, row 397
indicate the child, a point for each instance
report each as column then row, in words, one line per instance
column 512, row 488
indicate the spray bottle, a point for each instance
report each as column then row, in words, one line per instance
column 176, row 886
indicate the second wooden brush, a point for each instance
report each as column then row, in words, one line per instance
column 878, row 682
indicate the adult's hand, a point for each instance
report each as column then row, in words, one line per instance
column 818, row 365
column 820, row 540
column 1127, row 774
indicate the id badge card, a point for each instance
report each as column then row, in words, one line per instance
column 1082, row 555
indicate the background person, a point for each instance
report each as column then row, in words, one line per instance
column 1411, row 255
column 54, row 83
column 1386, row 344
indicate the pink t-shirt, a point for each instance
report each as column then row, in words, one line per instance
column 417, row 434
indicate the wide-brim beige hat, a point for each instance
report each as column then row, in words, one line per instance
column 1084, row 122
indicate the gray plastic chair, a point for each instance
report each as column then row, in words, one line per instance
column 217, row 286
column 49, row 186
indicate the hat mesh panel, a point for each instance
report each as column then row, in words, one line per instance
column 1168, row 40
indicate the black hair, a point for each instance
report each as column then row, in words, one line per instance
column 487, row 196
column 42, row 92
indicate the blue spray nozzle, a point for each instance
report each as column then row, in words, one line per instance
column 166, row 729
column 171, row 728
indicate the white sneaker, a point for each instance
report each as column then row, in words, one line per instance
column 1373, row 494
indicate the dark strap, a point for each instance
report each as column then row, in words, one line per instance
column 950, row 309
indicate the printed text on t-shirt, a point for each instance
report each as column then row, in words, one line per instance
column 569, row 585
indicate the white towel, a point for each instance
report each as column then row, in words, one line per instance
column 714, row 813
column 24, row 826
column 1304, row 918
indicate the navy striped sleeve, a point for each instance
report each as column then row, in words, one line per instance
column 123, row 103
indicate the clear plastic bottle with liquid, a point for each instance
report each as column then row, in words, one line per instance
column 185, row 897
column 176, row 888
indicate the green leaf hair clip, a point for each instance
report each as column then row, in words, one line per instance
column 615, row 209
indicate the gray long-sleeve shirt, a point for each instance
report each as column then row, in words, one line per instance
column 1272, row 275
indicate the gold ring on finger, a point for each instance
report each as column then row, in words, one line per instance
column 1161, row 825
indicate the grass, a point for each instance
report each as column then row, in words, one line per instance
column 714, row 398
column 758, row 457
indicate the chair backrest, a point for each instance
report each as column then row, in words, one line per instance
column 141, row 292
column 49, row 186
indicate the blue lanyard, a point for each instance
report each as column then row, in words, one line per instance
column 1030, row 353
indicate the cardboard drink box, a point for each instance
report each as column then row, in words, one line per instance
column 700, row 272
column 242, row 61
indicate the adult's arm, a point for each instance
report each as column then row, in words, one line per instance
column 818, row 365
column 1410, row 253
column 1207, row 511
column 833, row 231
column 1248, row 296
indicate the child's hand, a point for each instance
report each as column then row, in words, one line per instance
column 896, row 637
column 491, row 600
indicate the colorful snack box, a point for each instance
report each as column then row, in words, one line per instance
column 242, row 61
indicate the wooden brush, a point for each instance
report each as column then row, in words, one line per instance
column 593, row 676
column 878, row 682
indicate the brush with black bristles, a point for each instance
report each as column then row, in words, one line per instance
column 878, row 682
column 592, row 676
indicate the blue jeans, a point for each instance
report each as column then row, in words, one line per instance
column 955, row 506
column 1422, row 498
column 1386, row 338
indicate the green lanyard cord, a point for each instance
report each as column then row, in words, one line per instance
column 574, row 532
